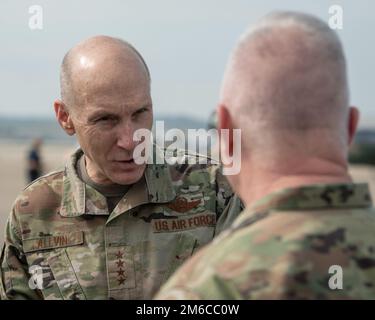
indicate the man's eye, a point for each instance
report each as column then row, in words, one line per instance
column 140, row 111
column 104, row 119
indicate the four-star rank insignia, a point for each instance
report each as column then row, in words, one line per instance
column 121, row 270
column 120, row 265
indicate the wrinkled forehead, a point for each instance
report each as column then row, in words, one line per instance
column 118, row 99
column 115, row 100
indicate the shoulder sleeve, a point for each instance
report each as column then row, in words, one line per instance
column 178, row 293
column 294, row 255
column 14, row 276
column 200, row 279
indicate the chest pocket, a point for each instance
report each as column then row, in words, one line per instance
column 185, row 246
column 182, row 235
column 51, row 270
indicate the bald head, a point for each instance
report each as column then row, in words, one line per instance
column 287, row 74
column 99, row 60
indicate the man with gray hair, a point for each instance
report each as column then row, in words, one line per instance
column 107, row 226
column 308, row 230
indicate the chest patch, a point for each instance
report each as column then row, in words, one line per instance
column 55, row 241
column 184, row 223
column 185, row 203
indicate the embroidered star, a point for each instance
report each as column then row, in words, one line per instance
column 119, row 255
column 120, row 263
column 121, row 281
column 121, row 272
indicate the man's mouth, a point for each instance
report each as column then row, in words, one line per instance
column 125, row 161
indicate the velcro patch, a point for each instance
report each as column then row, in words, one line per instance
column 184, row 223
column 51, row 242
column 186, row 202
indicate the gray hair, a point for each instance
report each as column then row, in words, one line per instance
column 309, row 72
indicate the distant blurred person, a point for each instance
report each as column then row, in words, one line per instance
column 34, row 161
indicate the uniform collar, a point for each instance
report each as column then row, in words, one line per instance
column 155, row 186
column 313, row 197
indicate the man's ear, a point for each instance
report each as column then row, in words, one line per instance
column 225, row 123
column 63, row 117
column 352, row 123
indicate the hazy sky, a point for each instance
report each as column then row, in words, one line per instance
column 185, row 43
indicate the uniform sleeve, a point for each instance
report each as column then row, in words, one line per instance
column 177, row 287
column 198, row 279
column 177, row 293
column 206, row 287
column 14, row 276
column 228, row 204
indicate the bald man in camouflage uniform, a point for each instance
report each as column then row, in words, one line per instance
column 308, row 230
column 105, row 227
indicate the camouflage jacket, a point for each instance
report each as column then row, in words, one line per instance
column 62, row 243
column 313, row 242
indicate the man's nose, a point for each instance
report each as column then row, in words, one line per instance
column 125, row 137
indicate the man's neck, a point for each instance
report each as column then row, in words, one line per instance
column 257, row 183
column 94, row 174
column 105, row 189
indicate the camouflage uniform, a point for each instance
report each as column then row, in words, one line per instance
column 283, row 247
column 62, row 243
